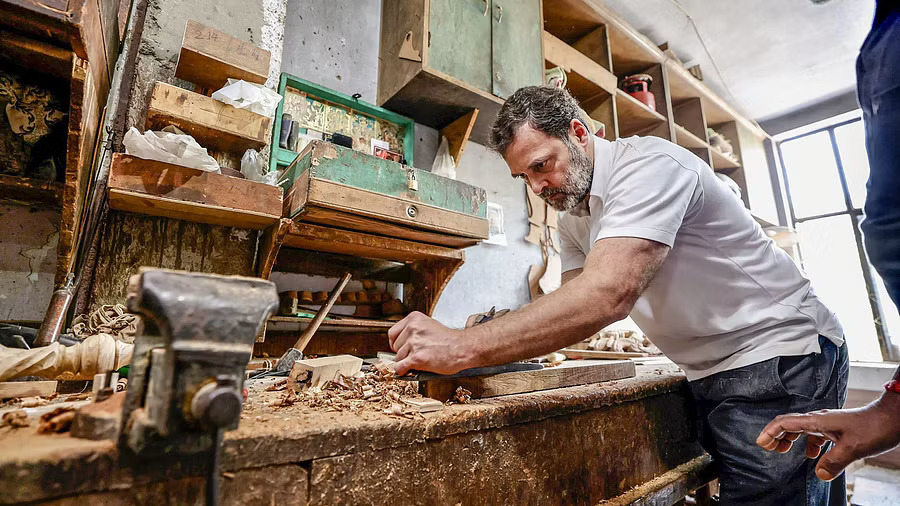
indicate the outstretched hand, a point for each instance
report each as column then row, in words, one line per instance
column 422, row 343
column 856, row 433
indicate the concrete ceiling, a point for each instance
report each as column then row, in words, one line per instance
column 775, row 56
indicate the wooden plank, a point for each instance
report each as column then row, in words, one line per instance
column 361, row 344
column 342, row 321
column 595, row 46
column 559, row 53
column 153, row 205
column 564, row 375
column 349, row 199
column 346, row 220
column 316, row 372
column 687, row 139
column 215, row 125
column 424, row 404
column 11, row 389
column 209, row 57
column 331, row 265
column 348, row 242
column 270, row 246
column 596, row 354
column 138, row 175
column 457, row 134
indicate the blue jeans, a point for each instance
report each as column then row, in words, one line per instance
column 734, row 406
column 878, row 86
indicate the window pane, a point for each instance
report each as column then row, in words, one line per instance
column 812, row 175
column 851, row 141
column 831, row 260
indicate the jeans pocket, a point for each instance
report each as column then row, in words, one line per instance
column 800, row 375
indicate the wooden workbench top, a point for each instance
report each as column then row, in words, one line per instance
column 45, row 466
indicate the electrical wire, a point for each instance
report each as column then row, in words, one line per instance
column 743, row 110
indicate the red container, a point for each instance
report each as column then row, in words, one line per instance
column 638, row 86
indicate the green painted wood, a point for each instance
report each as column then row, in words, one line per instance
column 360, row 170
column 283, row 157
column 460, row 41
column 517, row 59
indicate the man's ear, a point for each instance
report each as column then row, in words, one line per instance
column 579, row 132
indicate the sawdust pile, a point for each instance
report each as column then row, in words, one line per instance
column 376, row 390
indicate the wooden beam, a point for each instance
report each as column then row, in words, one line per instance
column 604, row 355
column 214, row 124
column 595, row 46
column 561, row 54
column 349, row 242
column 11, row 389
column 564, row 375
column 332, row 265
column 209, row 57
column 163, row 189
column 457, row 133
column 30, row 53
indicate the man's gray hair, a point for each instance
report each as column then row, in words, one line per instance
column 545, row 108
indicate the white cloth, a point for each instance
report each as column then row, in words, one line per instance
column 726, row 296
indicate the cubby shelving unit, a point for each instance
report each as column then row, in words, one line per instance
column 597, row 49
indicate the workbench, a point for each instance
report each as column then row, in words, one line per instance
column 619, row 442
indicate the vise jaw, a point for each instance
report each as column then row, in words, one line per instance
column 187, row 372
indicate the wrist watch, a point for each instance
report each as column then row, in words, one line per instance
column 892, row 386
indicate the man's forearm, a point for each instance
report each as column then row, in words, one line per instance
column 574, row 311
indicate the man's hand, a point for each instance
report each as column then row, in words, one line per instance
column 856, row 433
column 422, row 343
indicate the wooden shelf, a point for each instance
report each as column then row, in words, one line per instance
column 214, row 125
column 686, row 139
column 162, row 189
column 30, row 191
column 634, row 116
column 586, row 79
column 722, row 162
column 346, row 323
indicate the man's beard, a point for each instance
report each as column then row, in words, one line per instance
column 577, row 181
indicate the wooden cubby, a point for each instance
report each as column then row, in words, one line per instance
column 603, row 47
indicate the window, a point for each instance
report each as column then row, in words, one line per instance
column 825, row 174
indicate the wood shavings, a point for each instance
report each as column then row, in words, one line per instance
column 621, row 341
column 33, row 402
column 14, row 419
column 461, row 396
column 376, row 390
column 277, row 386
column 58, row 420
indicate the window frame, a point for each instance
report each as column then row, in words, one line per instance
column 855, row 214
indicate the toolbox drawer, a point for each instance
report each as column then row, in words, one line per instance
column 340, row 187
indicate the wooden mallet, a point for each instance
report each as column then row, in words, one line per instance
column 286, row 362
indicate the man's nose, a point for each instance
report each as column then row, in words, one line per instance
column 537, row 185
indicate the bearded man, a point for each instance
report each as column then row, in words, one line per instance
column 650, row 231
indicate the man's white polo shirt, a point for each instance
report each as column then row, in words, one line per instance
column 726, row 296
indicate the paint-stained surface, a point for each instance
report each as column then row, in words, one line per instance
column 28, row 239
column 131, row 241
